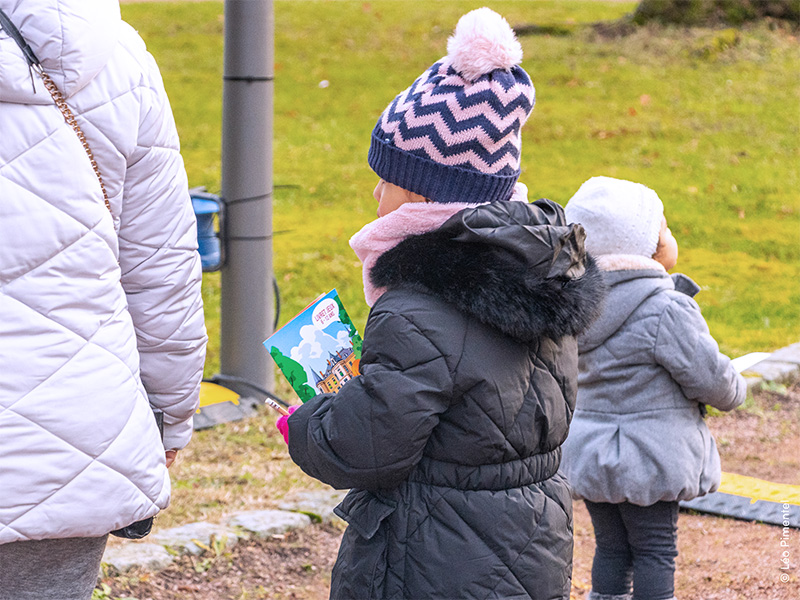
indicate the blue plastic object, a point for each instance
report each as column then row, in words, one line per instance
column 206, row 208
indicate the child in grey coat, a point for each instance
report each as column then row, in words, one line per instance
column 638, row 442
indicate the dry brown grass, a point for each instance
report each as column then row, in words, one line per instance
column 245, row 466
column 233, row 467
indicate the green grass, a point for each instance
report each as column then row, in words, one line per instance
column 709, row 119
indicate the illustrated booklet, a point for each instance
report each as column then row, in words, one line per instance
column 319, row 350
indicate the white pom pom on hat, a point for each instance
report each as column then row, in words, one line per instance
column 483, row 42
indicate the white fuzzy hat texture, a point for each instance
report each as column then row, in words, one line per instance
column 483, row 42
column 620, row 217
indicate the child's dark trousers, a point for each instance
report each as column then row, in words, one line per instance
column 635, row 544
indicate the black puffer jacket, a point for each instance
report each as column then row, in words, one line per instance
column 451, row 435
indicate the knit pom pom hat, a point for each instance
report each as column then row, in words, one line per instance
column 454, row 135
column 620, row 217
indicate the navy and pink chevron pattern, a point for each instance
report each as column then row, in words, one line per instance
column 446, row 128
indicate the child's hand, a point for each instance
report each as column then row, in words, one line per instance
column 283, row 423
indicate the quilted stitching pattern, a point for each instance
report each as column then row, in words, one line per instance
column 83, row 325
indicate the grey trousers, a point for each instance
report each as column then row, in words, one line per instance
column 64, row 569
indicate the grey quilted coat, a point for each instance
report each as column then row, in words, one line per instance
column 450, row 437
column 646, row 366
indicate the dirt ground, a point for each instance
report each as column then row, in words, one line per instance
column 720, row 558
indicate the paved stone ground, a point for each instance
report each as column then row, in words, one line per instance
column 780, row 366
column 159, row 550
column 301, row 509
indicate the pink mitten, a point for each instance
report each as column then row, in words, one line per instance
column 283, row 423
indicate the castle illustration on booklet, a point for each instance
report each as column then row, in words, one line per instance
column 318, row 350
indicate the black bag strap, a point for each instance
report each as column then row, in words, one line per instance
column 58, row 97
column 11, row 29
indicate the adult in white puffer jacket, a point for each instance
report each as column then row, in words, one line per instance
column 101, row 315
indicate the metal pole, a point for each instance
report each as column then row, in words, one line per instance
column 247, row 304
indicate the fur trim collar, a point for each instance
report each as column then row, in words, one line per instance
column 411, row 218
column 527, row 275
column 386, row 232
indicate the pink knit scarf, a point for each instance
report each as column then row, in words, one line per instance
column 384, row 233
column 412, row 218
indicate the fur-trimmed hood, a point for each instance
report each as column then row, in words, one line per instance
column 631, row 281
column 518, row 267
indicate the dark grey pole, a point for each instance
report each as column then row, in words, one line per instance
column 247, row 303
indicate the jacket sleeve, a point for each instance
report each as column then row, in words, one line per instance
column 373, row 432
column 160, row 266
column 685, row 348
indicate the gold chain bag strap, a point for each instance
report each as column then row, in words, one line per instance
column 69, row 117
column 139, row 529
column 58, row 97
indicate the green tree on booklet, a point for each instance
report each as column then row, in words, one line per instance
column 352, row 331
column 294, row 373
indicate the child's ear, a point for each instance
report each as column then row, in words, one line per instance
column 667, row 249
column 661, row 238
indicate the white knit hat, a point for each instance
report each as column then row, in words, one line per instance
column 620, row 217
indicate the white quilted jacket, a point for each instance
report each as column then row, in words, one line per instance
column 96, row 316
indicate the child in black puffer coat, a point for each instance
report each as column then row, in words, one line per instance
column 450, row 437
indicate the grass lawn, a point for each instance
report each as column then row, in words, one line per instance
column 709, row 119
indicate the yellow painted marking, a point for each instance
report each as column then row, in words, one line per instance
column 758, row 489
column 211, row 393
